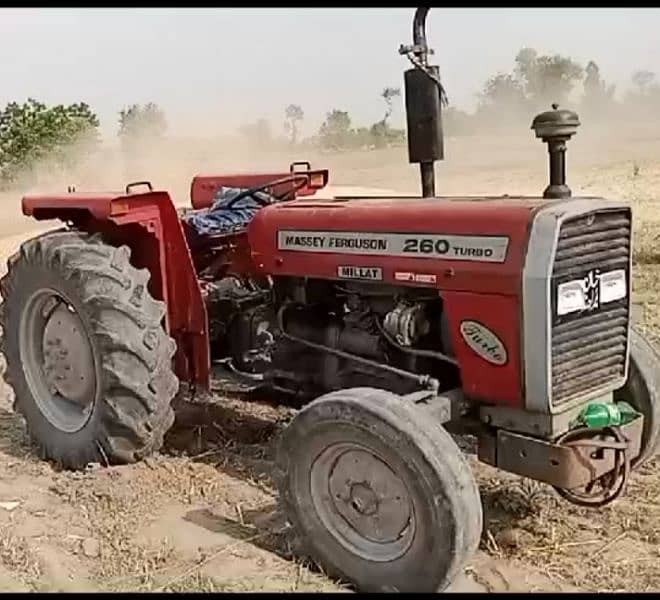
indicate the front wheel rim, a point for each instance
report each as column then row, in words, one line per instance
column 362, row 502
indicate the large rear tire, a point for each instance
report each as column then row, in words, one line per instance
column 377, row 493
column 641, row 390
column 86, row 352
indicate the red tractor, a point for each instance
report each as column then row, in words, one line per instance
column 394, row 321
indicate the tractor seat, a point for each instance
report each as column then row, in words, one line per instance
column 220, row 218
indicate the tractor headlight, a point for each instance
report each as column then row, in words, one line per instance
column 571, row 297
column 591, row 292
column 613, row 286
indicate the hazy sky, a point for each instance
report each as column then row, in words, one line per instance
column 213, row 69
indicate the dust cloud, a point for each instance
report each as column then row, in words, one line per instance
column 500, row 155
column 170, row 163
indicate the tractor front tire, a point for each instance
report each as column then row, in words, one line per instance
column 642, row 392
column 377, row 494
column 86, row 352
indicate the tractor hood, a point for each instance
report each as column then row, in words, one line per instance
column 458, row 243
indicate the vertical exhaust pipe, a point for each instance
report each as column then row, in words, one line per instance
column 424, row 96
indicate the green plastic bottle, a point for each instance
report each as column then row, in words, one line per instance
column 628, row 413
column 599, row 414
column 602, row 414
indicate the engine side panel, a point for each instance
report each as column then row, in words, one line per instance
column 486, row 341
column 471, row 251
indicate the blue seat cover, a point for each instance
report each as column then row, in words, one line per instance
column 219, row 218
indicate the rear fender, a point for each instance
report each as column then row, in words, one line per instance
column 149, row 224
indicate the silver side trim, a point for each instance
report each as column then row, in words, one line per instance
column 536, row 304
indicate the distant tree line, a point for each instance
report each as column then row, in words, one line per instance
column 536, row 81
column 33, row 133
column 337, row 131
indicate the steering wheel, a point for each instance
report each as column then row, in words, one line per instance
column 264, row 202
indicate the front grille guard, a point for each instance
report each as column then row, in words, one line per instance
column 588, row 348
column 539, row 288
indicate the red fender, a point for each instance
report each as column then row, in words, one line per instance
column 149, row 224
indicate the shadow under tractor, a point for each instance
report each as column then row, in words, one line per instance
column 394, row 321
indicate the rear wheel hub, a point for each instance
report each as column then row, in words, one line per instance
column 58, row 360
column 68, row 358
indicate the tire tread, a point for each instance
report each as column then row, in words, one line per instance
column 137, row 409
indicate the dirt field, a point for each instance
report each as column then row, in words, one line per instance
column 201, row 516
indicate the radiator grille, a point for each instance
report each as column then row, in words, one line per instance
column 589, row 348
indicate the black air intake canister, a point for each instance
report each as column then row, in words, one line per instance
column 423, row 115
